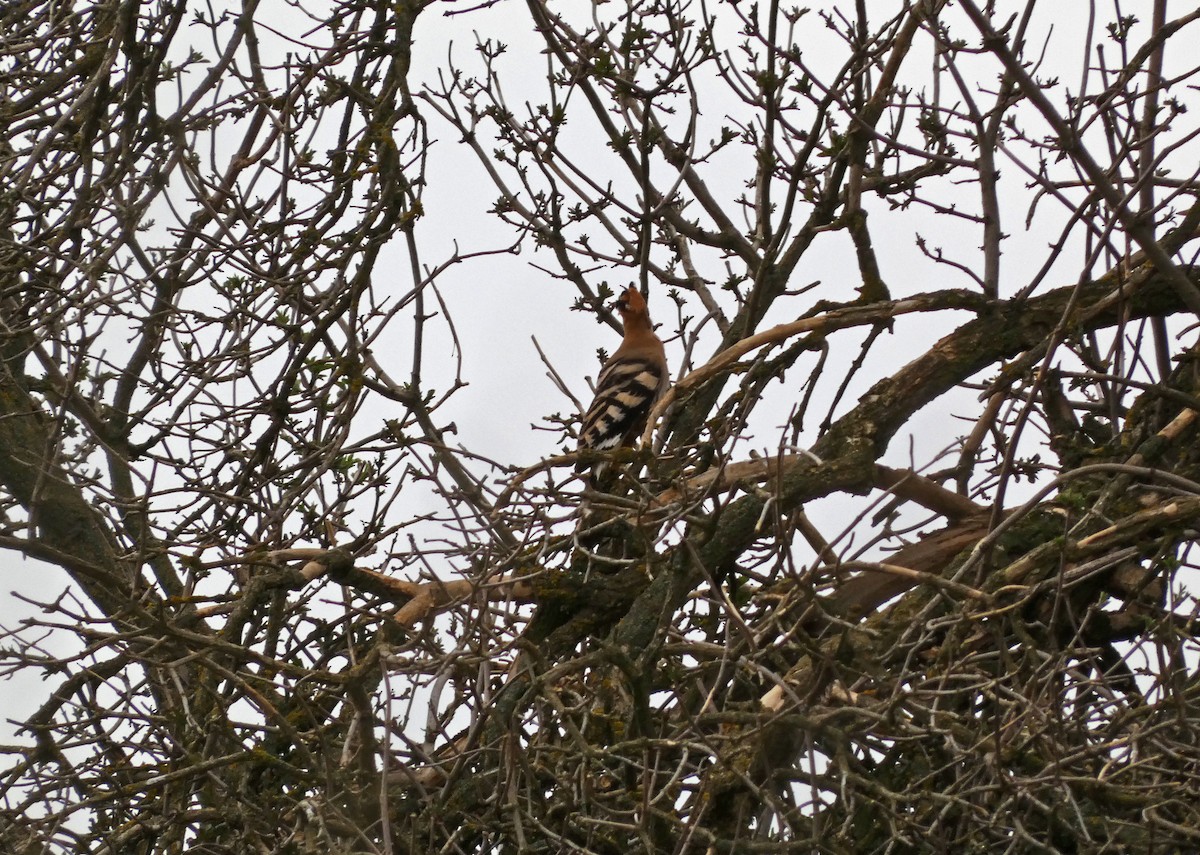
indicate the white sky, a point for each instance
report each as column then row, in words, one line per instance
column 500, row 302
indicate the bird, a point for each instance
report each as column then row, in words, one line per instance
column 632, row 379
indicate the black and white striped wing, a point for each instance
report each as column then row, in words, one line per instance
column 625, row 392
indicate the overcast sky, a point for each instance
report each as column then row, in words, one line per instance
column 499, row 303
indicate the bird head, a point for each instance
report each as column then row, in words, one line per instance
column 631, row 305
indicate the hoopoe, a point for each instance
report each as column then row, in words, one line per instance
column 632, row 379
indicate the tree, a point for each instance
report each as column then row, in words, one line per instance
column 299, row 615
